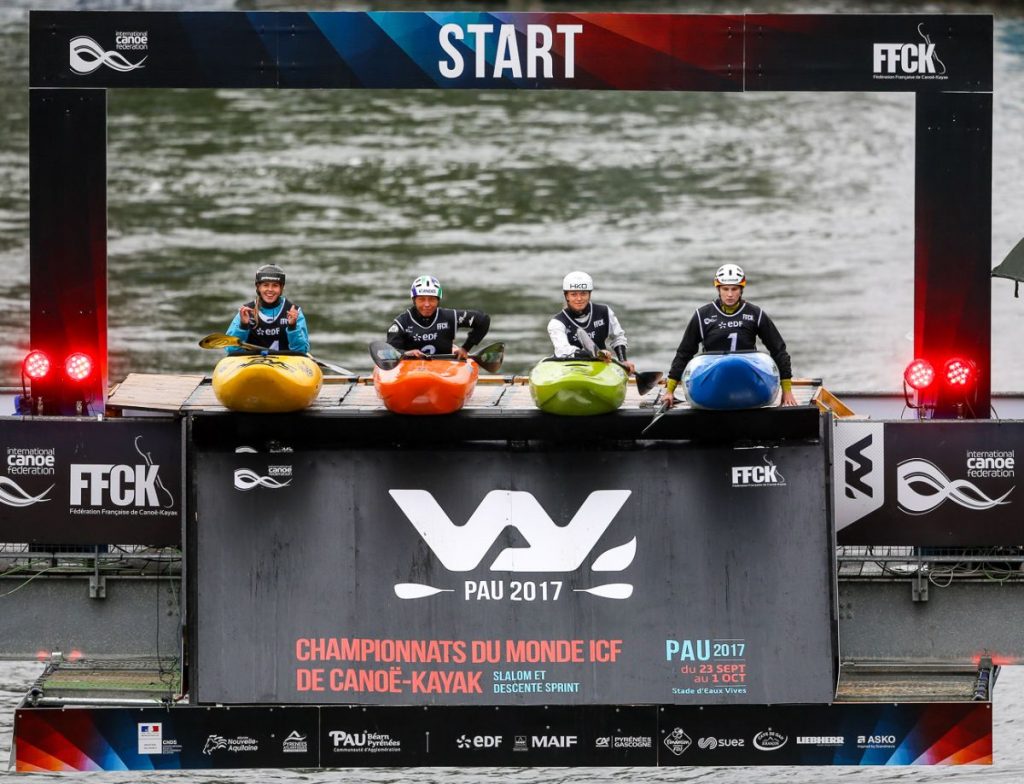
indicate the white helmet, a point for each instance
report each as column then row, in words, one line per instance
column 730, row 275
column 426, row 286
column 577, row 281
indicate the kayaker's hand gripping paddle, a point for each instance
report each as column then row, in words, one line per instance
column 644, row 381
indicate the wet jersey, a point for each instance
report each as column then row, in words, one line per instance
column 597, row 320
column 738, row 331
column 436, row 335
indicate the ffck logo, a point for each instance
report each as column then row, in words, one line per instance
column 552, row 547
column 97, row 484
column 908, row 60
column 766, row 475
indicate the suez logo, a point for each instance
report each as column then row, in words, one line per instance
column 766, row 475
column 917, row 60
column 551, row 548
column 515, row 53
column 711, row 743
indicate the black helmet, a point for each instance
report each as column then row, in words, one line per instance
column 270, row 272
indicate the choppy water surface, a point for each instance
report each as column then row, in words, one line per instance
column 500, row 193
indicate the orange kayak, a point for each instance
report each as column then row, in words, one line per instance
column 426, row 386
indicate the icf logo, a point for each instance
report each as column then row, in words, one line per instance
column 897, row 60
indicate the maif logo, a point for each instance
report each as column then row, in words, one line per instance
column 552, row 547
column 938, row 488
column 85, row 56
column 908, row 60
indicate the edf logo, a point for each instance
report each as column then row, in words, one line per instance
column 123, row 485
column 908, row 58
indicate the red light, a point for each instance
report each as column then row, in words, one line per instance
column 959, row 373
column 75, row 655
column 78, row 366
column 36, row 365
column 919, row 374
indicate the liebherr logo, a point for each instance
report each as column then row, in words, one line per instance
column 552, row 547
column 908, row 60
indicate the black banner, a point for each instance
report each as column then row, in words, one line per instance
column 594, row 735
column 81, row 481
column 489, row 576
column 928, row 483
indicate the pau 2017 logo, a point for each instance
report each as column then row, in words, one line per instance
column 552, row 548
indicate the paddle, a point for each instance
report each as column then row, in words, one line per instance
column 220, row 340
column 644, row 381
column 659, row 412
column 386, row 357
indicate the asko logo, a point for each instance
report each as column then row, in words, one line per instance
column 908, row 60
column 552, row 548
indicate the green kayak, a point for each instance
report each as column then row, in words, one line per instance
column 577, row 387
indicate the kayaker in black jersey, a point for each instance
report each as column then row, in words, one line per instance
column 270, row 320
column 426, row 328
column 730, row 323
column 597, row 320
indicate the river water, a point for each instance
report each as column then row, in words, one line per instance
column 500, row 194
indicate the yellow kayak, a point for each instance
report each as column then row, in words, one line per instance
column 272, row 384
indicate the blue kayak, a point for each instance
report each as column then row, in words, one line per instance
column 727, row 382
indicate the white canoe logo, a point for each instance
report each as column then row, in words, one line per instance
column 247, row 479
column 926, row 474
column 11, row 494
column 552, row 548
column 85, row 56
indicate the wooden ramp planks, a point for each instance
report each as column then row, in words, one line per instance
column 154, row 391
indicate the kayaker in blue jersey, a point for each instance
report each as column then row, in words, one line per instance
column 270, row 320
column 730, row 323
column 597, row 320
column 425, row 328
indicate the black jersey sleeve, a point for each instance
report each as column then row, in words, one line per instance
column 477, row 322
column 688, row 347
column 772, row 339
column 396, row 336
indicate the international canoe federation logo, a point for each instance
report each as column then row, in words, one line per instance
column 917, row 60
column 552, row 547
column 918, row 473
column 678, row 742
column 86, row 56
column 12, row 494
column 247, row 479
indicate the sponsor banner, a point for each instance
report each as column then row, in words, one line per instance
column 387, row 50
column 91, row 482
column 479, row 575
column 928, row 483
column 162, row 739
column 869, row 52
column 94, row 739
column 470, row 736
column 837, row 734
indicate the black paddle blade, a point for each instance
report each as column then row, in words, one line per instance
column 645, row 382
column 491, row 357
column 219, row 340
column 384, row 355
